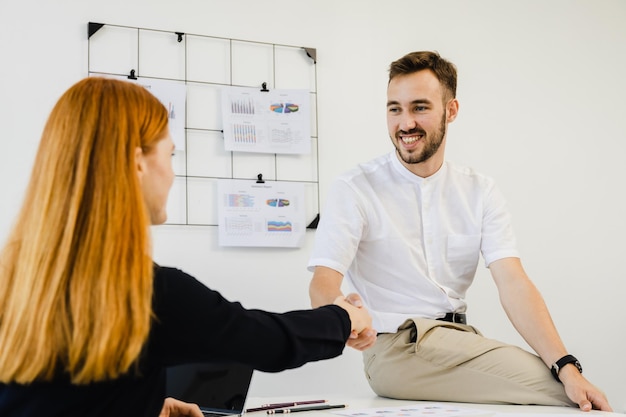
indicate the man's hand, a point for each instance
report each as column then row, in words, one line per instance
column 367, row 337
column 582, row 392
column 176, row 408
column 363, row 340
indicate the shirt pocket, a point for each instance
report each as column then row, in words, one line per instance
column 462, row 254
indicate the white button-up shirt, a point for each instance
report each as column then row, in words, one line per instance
column 408, row 245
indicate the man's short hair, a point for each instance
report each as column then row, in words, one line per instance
column 445, row 71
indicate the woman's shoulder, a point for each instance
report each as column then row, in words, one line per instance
column 165, row 272
column 174, row 282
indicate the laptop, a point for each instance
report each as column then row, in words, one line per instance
column 219, row 389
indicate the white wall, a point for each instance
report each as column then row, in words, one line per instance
column 541, row 88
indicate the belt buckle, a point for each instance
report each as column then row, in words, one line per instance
column 458, row 318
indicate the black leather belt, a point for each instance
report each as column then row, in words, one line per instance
column 454, row 318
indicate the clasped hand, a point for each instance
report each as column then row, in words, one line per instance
column 363, row 336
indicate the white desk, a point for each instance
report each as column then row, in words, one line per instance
column 373, row 402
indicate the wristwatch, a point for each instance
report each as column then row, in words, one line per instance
column 556, row 366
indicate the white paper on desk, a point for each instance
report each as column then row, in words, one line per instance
column 575, row 412
column 270, row 214
column 274, row 121
column 412, row 410
column 172, row 94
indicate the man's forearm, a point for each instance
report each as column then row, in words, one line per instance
column 321, row 295
column 325, row 286
column 529, row 314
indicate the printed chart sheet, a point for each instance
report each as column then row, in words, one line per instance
column 261, row 214
column 274, row 121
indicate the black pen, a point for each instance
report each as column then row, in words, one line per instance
column 283, row 405
column 312, row 408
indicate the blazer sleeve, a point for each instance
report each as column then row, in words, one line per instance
column 193, row 323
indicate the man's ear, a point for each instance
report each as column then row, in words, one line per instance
column 140, row 164
column 452, row 110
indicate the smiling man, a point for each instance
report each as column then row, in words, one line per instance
column 419, row 109
column 406, row 231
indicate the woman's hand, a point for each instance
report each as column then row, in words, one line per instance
column 176, row 408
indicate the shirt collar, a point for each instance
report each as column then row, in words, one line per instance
column 402, row 170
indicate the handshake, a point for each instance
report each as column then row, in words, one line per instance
column 363, row 335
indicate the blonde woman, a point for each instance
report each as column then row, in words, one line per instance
column 87, row 320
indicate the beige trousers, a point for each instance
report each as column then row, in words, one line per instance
column 439, row 361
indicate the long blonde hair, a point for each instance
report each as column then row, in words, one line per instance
column 76, row 273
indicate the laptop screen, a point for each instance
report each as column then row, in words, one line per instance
column 220, row 387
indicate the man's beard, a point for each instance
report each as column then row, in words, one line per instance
column 430, row 147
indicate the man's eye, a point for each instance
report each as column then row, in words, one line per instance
column 420, row 108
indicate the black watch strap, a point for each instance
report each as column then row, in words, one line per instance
column 567, row 359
